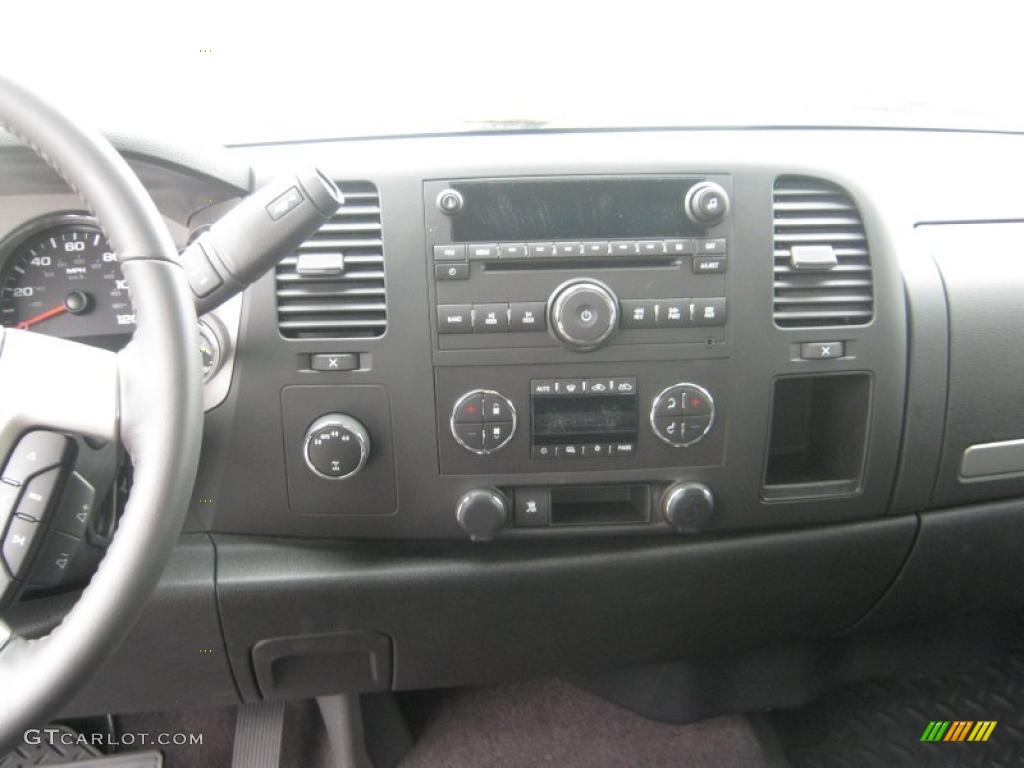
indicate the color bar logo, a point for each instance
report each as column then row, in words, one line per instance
column 958, row 730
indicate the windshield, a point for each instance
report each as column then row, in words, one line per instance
column 234, row 73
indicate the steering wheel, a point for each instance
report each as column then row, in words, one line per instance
column 148, row 396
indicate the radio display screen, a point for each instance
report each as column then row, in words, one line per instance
column 563, row 419
column 579, row 209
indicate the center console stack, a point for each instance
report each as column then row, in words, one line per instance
column 579, row 324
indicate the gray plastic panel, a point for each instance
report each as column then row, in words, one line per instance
column 983, row 273
column 461, row 613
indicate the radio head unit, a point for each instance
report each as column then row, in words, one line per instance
column 580, row 262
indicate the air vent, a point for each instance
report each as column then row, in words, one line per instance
column 822, row 264
column 326, row 303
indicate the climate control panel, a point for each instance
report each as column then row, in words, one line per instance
column 590, row 417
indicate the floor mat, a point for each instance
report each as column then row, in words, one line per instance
column 885, row 723
column 550, row 722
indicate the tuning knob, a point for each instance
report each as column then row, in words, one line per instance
column 336, row 446
column 687, row 507
column 706, row 203
column 482, row 513
column 583, row 313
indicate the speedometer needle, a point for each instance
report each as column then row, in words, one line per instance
column 25, row 324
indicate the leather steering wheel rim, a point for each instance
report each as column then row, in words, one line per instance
column 149, row 396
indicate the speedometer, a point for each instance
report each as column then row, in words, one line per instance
column 63, row 279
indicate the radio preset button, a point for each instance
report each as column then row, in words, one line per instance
column 455, row 318
column 568, row 250
column 512, row 251
column 595, row 248
column 650, row 247
column 540, row 250
column 679, row 247
column 528, row 316
column 622, row 247
column 454, row 270
column 490, row 318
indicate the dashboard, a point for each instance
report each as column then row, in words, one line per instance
column 601, row 364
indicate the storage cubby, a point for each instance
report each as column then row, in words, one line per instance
column 818, row 435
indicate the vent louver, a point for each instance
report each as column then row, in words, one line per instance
column 827, row 280
column 346, row 305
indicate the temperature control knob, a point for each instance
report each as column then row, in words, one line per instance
column 482, row 513
column 336, row 446
column 687, row 507
column 583, row 313
column 706, row 203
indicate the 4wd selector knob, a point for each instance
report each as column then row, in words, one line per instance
column 336, row 446
column 583, row 313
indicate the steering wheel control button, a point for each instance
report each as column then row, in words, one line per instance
column 483, row 421
column 36, row 452
column 533, row 507
column 706, row 203
column 583, row 314
column 455, row 318
column 687, row 507
column 336, row 446
column 822, row 350
column 76, row 507
column 482, row 514
column 37, row 495
column 18, row 541
column 56, row 560
column 682, row 415
column 450, row 201
column 8, row 498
